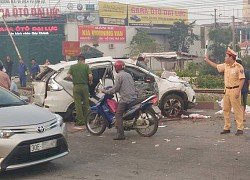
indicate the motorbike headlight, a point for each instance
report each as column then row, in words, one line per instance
column 54, row 86
column 6, row 133
column 59, row 120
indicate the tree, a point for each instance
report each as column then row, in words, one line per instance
column 143, row 43
column 221, row 38
column 182, row 36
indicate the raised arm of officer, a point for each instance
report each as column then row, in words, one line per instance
column 211, row 63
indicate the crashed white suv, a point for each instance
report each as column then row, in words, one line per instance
column 56, row 94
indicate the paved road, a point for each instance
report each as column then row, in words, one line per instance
column 184, row 150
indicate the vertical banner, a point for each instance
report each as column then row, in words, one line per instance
column 71, row 48
column 102, row 34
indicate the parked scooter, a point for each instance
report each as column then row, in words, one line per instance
column 140, row 116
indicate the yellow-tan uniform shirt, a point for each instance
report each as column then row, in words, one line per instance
column 232, row 74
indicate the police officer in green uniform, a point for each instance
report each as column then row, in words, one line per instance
column 81, row 76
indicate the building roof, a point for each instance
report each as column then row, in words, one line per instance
column 245, row 44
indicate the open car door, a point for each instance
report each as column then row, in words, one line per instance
column 40, row 86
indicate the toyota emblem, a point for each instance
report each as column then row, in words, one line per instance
column 40, row 129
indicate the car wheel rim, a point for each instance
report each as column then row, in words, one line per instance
column 172, row 107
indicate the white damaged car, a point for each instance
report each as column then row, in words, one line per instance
column 55, row 93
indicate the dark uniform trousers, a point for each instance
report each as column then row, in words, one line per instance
column 81, row 99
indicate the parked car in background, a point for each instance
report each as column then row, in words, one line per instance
column 29, row 134
column 55, row 93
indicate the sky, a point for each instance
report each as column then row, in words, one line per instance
column 202, row 11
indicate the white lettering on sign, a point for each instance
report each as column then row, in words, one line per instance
column 25, row 12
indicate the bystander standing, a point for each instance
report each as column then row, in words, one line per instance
column 244, row 90
column 22, row 68
column 4, row 78
column 8, row 66
column 47, row 62
column 35, row 69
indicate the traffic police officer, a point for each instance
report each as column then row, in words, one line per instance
column 234, row 78
column 81, row 76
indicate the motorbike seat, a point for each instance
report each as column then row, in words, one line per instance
column 136, row 101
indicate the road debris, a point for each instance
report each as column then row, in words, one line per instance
column 195, row 116
column 162, row 126
column 222, row 140
column 167, row 140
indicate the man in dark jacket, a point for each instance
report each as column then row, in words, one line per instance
column 8, row 66
column 244, row 90
column 35, row 69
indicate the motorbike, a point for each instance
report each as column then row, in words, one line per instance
column 139, row 116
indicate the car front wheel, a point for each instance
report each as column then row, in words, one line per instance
column 172, row 106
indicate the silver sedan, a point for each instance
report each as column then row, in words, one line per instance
column 29, row 134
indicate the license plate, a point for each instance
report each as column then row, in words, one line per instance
column 43, row 145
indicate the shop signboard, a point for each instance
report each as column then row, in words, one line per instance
column 32, row 29
column 102, row 34
column 23, row 9
column 113, row 13
column 133, row 15
column 152, row 16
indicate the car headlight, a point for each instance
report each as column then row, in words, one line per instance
column 59, row 120
column 186, row 84
column 54, row 86
column 6, row 133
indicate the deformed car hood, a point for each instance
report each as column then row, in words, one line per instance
column 24, row 115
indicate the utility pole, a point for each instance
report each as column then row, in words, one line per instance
column 233, row 32
column 14, row 43
column 215, row 18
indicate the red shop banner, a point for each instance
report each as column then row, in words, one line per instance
column 71, row 48
column 99, row 34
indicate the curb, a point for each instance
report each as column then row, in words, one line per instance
column 207, row 105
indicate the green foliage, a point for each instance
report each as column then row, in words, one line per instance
column 210, row 81
column 202, row 76
column 182, row 36
column 190, row 71
column 246, row 62
column 206, row 69
column 143, row 43
column 221, row 38
column 90, row 52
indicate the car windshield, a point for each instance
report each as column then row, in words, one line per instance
column 8, row 99
column 144, row 66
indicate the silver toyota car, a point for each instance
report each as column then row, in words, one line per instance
column 29, row 134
